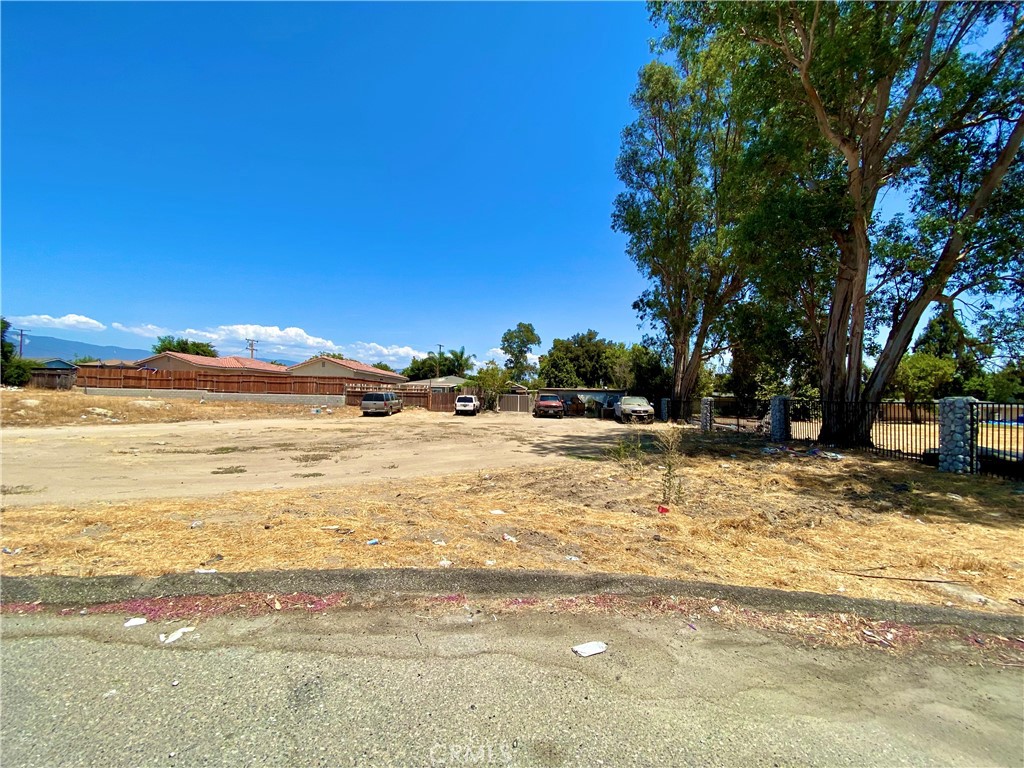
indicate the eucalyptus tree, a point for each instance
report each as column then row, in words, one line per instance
column 517, row 343
column 677, row 164
column 905, row 97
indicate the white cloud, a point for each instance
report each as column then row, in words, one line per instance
column 500, row 356
column 67, row 322
column 371, row 352
column 266, row 334
column 148, row 330
column 285, row 343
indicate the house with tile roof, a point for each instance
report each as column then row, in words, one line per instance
column 442, row 384
column 179, row 361
column 348, row 369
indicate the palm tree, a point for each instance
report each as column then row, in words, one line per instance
column 460, row 361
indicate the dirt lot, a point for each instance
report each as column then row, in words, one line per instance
column 576, row 495
column 101, row 463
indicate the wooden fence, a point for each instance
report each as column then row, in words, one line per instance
column 52, row 378
column 260, row 384
column 280, row 384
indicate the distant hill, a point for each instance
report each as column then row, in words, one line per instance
column 38, row 347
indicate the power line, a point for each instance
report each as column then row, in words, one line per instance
column 252, row 347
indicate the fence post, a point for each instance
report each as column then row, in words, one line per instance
column 781, row 429
column 957, row 435
column 707, row 413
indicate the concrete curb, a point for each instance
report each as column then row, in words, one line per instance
column 66, row 591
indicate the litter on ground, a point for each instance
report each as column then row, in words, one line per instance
column 592, row 648
column 809, row 453
column 175, row 635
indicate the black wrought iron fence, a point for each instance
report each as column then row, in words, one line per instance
column 804, row 419
column 894, row 429
column 742, row 415
column 999, row 439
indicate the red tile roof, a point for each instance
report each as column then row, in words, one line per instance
column 230, row 363
column 354, row 365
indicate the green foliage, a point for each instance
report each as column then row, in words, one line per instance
column 650, row 376
column 493, row 381
column 517, row 343
column 557, row 370
column 945, row 337
column 850, row 100
column 334, row 355
column 580, row 361
column 629, row 451
column 1007, row 385
column 460, row 362
column 79, row 359
column 922, row 376
column 619, row 364
column 678, row 162
column 184, row 346
column 384, row 367
column 670, row 463
column 14, row 371
column 452, row 363
column 7, row 346
column 772, row 354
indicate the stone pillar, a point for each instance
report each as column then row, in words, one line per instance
column 666, row 407
column 957, row 435
column 780, row 429
column 707, row 413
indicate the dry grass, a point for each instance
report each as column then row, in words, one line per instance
column 55, row 408
column 743, row 518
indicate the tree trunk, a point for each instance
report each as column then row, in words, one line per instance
column 843, row 421
column 678, row 366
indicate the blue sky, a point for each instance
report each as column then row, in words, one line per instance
column 372, row 179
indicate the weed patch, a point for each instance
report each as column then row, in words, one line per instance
column 311, row 458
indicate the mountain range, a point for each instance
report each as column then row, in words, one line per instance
column 41, row 347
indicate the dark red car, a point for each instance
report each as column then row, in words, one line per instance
column 548, row 405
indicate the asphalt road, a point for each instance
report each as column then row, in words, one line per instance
column 385, row 686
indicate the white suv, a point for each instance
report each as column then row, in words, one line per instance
column 467, row 404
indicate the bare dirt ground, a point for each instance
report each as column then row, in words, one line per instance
column 94, row 463
column 576, row 495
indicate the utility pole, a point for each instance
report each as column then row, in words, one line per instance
column 21, row 339
column 437, row 361
column 251, row 343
